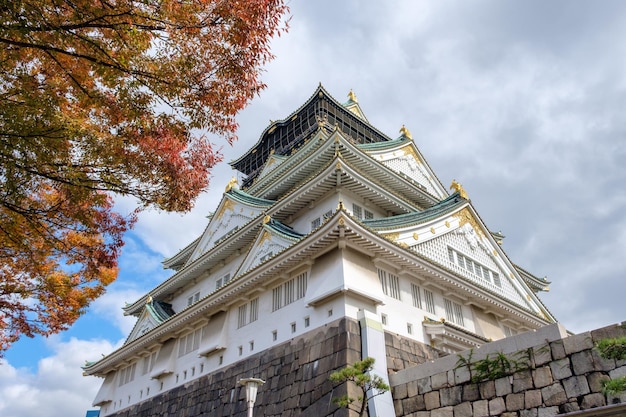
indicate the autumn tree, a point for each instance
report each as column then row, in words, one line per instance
column 367, row 384
column 101, row 98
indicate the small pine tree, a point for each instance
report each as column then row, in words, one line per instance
column 369, row 385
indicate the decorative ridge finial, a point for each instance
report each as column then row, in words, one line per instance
column 266, row 219
column 149, row 299
column 405, row 132
column 352, row 96
column 233, row 183
column 458, row 188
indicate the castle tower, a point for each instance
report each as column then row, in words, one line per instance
column 339, row 243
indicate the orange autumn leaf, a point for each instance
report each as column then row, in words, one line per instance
column 103, row 98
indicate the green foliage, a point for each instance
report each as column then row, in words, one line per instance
column 496, row 366
column 614, row 386
column 612, row 348
column 359, row 374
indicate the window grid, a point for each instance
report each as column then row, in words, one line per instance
column 474, row 267
column 289, row 291
column 416, row 295
column 454, row 312
column 429, row 299
column 189, row 343
column 390, row 284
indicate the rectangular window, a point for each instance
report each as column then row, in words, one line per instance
column 383, row 319
column 189, row 343
column 254, row 310
column 148, row 363
column 474, row 267
column 496, row 279
column 357, row 211
column 127, row 374
column 390, row 283
column 416, row 295
column 368, row 215
column 454, row 312
column 307, row 321
column 316, row 223
column 193, row 299
column 242, row 318
column 274, row 335
column 289, row 291
column 277, row 298
column 218, row 283
column 409, row 328
column 429, row 300
column 293, row 327
column 226, row 279
column 327, row 215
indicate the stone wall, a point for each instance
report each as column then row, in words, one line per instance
column 296, row 375
column 564, row 375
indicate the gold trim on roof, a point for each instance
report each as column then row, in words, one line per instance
column 228, row 205
column 458, row 187
column 465, row 216
column 409, row 150
column 392, row 236
column 266, row 219
column 352, row 96
column 415, row 236
column 266, row 236
column 233, row 181
column 405, row 132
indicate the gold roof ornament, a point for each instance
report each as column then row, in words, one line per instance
column 405, row 132
column 233, row 183
column 458, row 188
column 352, row 96
column 149, row 299
column 266, row 219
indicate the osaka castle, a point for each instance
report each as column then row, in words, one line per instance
column 332, row 243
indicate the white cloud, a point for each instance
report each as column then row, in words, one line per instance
column 57, row 387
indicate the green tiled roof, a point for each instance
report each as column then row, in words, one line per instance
column 374, row 146
column 160, row 310
column 283, row 229
column 248, row 199
column 444, row 206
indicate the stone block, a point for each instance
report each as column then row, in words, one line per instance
column 509, row 414
column 542, row 377
column 618, row 372
column 480, row 408
column 398, row 408
column 547, row 411
column 431, row 400
column 596, row 381
column 542, row 354
column 503, row 386
column 420, row 414
column 569, row 407
column 487, row 390
column 463, row 410
column 600, row 363
column 450, row 396
column 400, row 392
column 576, row 386
column 439, row 380
column 553, row 394
column 514, row 402
column 424, row 385
column 412, row 404
column 560, row 369
column 496, row 406
column 582, row 362
column 532, row 398
column 461, row 375
column 593, row 400
column 557, row 349
column 614, row 330
column 522, row 381
column 470, row 392
column 529, row 412
column 443, row 412
column 577, row 343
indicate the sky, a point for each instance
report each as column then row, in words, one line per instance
column 521, row 102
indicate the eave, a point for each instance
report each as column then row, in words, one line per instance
column 339, row 230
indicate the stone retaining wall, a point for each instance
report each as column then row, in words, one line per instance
column 565, row 375
column 296, row 375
